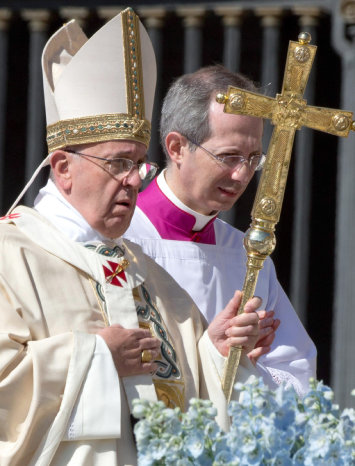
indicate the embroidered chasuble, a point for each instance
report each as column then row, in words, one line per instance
column 168, row 380
column 55, row 295
column 206, row 257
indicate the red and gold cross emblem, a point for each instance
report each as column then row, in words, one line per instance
column 115, row 271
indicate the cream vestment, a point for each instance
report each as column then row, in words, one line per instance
column 55, row 294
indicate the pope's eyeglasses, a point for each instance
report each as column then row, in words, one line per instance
column 255, row 162
column 122, row 166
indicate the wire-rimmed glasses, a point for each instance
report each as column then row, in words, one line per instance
column 123, row 166
column 255, row 162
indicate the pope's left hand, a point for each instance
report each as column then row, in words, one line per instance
column 228, row 329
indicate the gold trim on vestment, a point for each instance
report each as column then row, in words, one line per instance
column 169, row 389
column 99, row 301
column 170, row 392
column 168, row 379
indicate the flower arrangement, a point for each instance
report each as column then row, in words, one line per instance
column 268, row 427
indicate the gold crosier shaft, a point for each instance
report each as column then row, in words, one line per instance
column 288, row 112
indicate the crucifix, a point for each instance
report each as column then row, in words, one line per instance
column 287, row 112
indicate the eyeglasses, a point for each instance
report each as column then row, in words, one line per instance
column 122, row 166
column 255, row 162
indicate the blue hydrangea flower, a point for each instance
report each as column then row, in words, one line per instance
column 268, row 428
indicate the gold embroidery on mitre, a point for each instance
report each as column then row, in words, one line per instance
column 133, row 64
column 98, row 128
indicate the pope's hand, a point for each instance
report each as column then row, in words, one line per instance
column 127, row 345
column 228, row 329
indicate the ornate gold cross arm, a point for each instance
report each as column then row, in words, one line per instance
column 288, row 112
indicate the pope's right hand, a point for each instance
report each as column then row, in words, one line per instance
column 127, row 345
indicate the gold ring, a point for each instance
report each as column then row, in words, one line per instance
column 146, row 356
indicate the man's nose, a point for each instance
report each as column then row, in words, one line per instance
column 132, row 178
column 242, row 172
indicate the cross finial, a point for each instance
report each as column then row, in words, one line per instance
column 288, row 112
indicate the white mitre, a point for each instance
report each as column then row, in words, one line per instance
column 102, row 88
column 98, row 89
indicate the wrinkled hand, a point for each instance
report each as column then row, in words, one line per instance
column 126, row 346
column 267, row 331
column 227, row 329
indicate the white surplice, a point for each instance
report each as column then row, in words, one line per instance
column 206, row 257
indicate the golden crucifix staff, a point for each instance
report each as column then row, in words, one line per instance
column 288, row 112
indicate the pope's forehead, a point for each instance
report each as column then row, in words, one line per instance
column 115, row 146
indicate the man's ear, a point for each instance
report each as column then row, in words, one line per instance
column 174, row 143
column 60, row 163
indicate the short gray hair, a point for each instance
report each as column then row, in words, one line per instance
column 186, row 104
